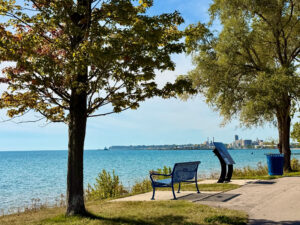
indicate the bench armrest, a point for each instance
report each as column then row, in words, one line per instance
column 159, row 174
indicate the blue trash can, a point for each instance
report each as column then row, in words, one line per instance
column 275, row 164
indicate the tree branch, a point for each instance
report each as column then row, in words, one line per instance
column 104, row 114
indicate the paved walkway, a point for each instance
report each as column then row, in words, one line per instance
column 266, row 202
column 189, row 195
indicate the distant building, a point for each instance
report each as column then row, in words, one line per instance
column 247, row 143
column 208, row 144
column 236, row 137
column 238, row 143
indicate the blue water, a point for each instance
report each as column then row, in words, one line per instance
column 25, row 175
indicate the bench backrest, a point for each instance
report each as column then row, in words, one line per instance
column 184, row 171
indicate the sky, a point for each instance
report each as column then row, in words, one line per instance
column 157, row 121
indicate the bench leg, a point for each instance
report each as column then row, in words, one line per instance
column 153, row 194
column 173, row 192
column 197, row 185
column 178, row 188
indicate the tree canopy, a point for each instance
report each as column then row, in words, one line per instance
column 249, row 69
column 119, row 45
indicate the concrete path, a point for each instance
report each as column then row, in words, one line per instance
column 266, row 202
column 167, row 195
column 238, row 182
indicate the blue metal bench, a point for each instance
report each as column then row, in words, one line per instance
column 185, row 172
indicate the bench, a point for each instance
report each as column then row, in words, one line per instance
column 185, row 172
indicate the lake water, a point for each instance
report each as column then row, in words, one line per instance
column 25, row 175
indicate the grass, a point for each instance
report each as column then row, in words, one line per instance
column 133, row 213
column 261, row 172
column 268, row 177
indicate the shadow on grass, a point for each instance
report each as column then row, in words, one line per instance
column 161, row 220
column 164, row 220
column 225, row 220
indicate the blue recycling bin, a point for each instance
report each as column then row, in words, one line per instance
column 275, row 164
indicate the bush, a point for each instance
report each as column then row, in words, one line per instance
column 295, row 164
column 165, row 170
column 141, row 187
column 261, row 170
column 107, row 186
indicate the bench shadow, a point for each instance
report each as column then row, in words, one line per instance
column 264, row 182
column 270, row 222
column 218, row 197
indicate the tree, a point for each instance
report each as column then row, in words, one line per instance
column 74, row 57
column 249, row 69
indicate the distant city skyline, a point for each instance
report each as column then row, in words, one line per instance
column 157, row 121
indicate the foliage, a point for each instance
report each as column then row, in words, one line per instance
column 295, row 164
column 260, row 170
column 164, row 170
column 106, row 186
column 109, row 186
column 295, row 134
column 249, row 69
column 141, row 187
column 109, row 52
column 240, row 71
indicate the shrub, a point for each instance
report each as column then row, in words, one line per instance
column 261, row 170
column 295, row 164
column 107, row 186
column 141, row 187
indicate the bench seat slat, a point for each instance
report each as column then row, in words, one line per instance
column 163, row 182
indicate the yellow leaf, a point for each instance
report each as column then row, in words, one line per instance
column 140, row 1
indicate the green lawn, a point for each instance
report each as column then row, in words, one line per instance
column 266, row 177
column 133, row 213
column 208, row 187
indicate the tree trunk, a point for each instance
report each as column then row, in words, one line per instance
column 78, row 118
column 279, row 126
column 284, row 124
column 286, row 143
column 77, row 129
